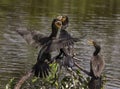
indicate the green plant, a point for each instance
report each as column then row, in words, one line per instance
column 10, row 84
column 58, row 79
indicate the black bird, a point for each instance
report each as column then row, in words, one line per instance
column 35, row 38
column 41, row 68
column 97, row 64
column 68, row 51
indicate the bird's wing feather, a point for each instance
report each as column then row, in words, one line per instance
column 34, row 38
column 97, row 66
column 57, row 44
column 101, row 66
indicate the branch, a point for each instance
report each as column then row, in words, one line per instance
column 85, row 71
column 22, row 80
column 77, row 59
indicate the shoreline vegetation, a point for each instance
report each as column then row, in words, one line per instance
column 56, row 80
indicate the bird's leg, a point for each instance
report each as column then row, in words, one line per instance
column 57, row 57
column 60, row 55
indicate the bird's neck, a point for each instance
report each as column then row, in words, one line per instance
column 55, row 32
column 97, row 50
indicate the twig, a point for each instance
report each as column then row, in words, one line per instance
column 77, row 59
column 85, row 71
column 22, row 80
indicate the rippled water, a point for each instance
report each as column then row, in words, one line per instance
column 98, row 19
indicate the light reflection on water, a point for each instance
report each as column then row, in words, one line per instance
column 99, row 20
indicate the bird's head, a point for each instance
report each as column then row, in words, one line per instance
column 97, row 47
column 56, row 24
column 64, row 20
column 91, row 42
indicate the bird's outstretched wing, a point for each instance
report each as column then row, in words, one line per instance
column 57, row 44
column 64, row 35
column 34, row 38
column 64, row 40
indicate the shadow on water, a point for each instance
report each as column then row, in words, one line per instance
column 99, row 19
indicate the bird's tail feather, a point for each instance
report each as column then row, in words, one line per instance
column 41, row 69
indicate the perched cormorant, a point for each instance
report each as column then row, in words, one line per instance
column 41, row 68
column 47, row 43
column 97, row 64
column 68, row 51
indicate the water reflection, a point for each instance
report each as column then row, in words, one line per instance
column 100, row 20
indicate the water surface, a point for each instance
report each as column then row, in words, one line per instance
column 98, row 19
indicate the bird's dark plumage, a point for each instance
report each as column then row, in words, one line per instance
column 41, row 68
column 97, row 64
column 35, row 38
column 59, row 39
column 67, row 42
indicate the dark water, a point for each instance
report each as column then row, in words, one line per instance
column 98, row 19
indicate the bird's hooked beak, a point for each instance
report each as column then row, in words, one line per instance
column 91, row 42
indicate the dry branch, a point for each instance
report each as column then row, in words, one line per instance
column 23, row 79
column 85, row 71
